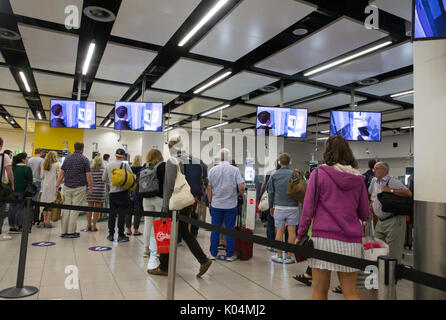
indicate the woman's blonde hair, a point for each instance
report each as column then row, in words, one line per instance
column 50, row 158
column 137, row 161
column 97, row 164
column 153, row 157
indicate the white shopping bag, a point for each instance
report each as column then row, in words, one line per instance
column 208, row 216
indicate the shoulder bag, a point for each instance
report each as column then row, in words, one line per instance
column 181, row 196
column 399, row 206
column 297, row 186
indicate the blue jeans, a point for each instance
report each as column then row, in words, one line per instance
column 38, row 184
column 229, row 215
column 15, row 215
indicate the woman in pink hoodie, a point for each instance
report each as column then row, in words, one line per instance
column 341, row 202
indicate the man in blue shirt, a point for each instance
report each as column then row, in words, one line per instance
column 222, row 195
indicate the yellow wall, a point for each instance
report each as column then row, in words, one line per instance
column 51, row 138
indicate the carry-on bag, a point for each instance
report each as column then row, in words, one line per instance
column 243, row 249
column 162, row 235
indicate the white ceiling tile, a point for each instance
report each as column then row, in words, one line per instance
column 48, row 10
column 375, row 64
column 151, row 21
column 292, row 92
column 408, row 99
column 408, row 113
column 338, row 38
column 244, row 29
column 236, row 111
column 16, row 112
column 377, row 106
column 238, row 85
column 13, row 99
column 394, row 85
column 108, row 93
column 54, row 85
column 50, row 50
column 122, row 63
column 237, row 125
column 186, row 74
column 399, row 124
column 46, row 101
column 158, row 96
column 103, row 110
column 174, row 118
column 197, row 105
column 31, row 125
column 204, row 123
column 400, row 8
column 252, row 120
column 7, row 80
column 328, row 102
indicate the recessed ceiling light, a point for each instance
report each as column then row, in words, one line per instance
column 268, row 89
column 9, row 34
column 300, row 31
column 99, row 14
column 368, row 82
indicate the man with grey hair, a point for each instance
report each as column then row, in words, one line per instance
column 390, row 228
column 223, row 183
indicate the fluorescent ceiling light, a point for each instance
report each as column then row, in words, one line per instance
column 326, row 138
column 348, row 58
column 25, row 82
column 12, row 122
column 205, row 19
column 401, row 94
column 215, row 110
column 88, row 59
column 409, row 127
column 212, row 82
column 168, row 129
column 39, row 115
column 107, row 123
column 326, row 131
column 218, row 125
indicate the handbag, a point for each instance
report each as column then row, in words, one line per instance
column 306, row 240
column 399, row 206
column 181, row 196
column 162, row 235
column 297, row 186
column 30, row 190
column 264, row 202
column 56, row 212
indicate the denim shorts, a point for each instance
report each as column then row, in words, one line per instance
column 290, row 216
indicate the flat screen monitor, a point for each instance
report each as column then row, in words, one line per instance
column 139, row 116
column 282, row 122
column 73, row 114
column 356, row 125
column 429, row 18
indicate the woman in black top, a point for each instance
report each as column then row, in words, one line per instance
column 136, row 168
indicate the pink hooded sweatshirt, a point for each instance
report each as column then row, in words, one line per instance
column 341, row 201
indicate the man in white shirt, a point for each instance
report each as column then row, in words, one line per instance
column 224, row 182
column 36, row 163
column 5, row 173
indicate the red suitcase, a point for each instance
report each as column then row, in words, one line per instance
column 243, row 249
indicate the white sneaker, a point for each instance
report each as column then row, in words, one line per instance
column 4, row 237
column 230, row 259
column 289, row 260
column 277, row 259
column 212, row 258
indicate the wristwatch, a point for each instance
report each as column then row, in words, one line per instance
column 391, row 190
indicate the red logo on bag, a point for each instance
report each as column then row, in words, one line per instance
column 161, row 236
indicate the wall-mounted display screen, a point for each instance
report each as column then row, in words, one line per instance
column 429, row 19
column 282, row 122
column 356, row 125
column 139, row 116
column 73, row 114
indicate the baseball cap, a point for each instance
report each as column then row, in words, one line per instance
column 120, row 152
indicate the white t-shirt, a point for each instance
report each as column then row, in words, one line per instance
column 6, row 162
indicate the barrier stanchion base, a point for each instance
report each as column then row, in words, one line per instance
column 14, row 292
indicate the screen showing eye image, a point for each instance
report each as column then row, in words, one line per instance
column 73, row 114
column 356, row 125
column 139, row 116
column 282, row 122
column 429, row 19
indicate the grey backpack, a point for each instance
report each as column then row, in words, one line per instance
column 148, row 186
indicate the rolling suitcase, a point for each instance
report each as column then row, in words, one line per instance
column 243, row 249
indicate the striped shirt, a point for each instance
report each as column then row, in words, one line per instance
column 98, row 187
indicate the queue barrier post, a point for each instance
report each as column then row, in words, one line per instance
column 387, row 278
column 20, row 291
column 172, row 256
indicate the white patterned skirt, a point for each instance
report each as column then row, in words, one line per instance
column 335, row 246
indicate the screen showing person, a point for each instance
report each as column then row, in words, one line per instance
column 139, row 116
column 73, row 114
column 356, row 125
column 282, row 122
column 429, row 19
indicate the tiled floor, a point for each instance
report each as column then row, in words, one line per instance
column 121, row 272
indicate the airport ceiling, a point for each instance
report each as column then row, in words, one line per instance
column 265, row 44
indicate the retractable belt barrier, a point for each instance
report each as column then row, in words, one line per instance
column 402, row 271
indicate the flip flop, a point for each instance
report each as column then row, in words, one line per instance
column 301, row 278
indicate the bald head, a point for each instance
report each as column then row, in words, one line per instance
column 381, row 169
